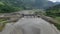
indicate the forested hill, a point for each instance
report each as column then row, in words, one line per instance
column 55, row 8
column 30, row 3
column 53, row 11
column 13, row 2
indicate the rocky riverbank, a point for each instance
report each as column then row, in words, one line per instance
column 51, row 21
column 11, row 17
column 8, row 18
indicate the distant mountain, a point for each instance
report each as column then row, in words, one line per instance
column 13, row 2
column 36, row 4
column 55, row 8
column 57, row 2
column 49, row 4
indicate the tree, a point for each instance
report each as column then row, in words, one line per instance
column 53, row 11
column 5, row 8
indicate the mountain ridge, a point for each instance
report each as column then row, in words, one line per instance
column 38, row 4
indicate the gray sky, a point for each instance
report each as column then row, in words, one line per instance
column 55, row 0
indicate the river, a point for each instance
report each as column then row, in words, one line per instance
column 30, row 25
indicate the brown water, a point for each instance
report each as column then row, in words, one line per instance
column 30, row 25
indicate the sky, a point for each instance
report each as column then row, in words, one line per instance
column 55, row 0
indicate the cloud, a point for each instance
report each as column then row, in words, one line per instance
column 55, row 0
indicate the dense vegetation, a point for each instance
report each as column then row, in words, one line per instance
column 29, row 4
column 54, row 12
column 4, row 8
column 2, row 23
column 39, row 12
column 7, row 8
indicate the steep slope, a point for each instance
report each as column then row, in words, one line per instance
column 30, row 3
column 53, row 11
column 13, row 2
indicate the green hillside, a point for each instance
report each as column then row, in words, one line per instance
column 7, row 8
column 54, row 12
column 29, row 3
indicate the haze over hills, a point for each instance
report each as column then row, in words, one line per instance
column 31, row 3
column 57, row 2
